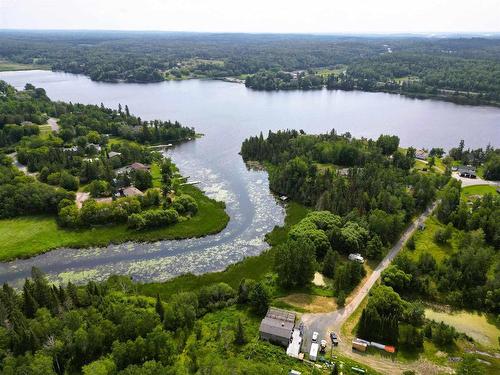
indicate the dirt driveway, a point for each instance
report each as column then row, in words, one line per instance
column 323, row 323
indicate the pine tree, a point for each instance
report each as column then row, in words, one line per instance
column 41, row 289
column 29, row 304
column 159, row 307
column 239, row 338
column 73, row 294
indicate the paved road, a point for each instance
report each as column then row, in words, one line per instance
column 323, row 323
column 474, row 181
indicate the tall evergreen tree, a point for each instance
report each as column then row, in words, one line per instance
column 239, row 338
column 159, row 307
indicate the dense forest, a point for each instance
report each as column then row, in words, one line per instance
column 366, row 190
column 109, row 328
column 468, row 277
column 94, row 148
column 462, row 69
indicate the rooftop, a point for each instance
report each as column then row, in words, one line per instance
column 112, row 154
column 138, row 166
column 278, row 322
column 132, row 191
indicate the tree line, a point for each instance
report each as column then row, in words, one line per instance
column 108, row 328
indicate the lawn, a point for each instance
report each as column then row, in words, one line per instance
column 6, row 66
column 325, row 72
column 424, row 241
column 156, row 174
column 477, row 190
column 45, row 130
column 255, row 267
column 28, row 236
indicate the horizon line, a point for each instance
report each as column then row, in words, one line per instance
column 333, row 33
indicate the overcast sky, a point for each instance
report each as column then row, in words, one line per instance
column 316, row 16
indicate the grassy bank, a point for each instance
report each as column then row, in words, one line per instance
column 255, row 267
column 29, row 236
column 6, row 66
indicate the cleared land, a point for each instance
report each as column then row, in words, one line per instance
column 6, row 66
column 475, row 325
column 478, row 190
column 28, row 236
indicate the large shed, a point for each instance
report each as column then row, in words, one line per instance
column 277, row 326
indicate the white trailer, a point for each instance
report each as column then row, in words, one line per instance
column 313, row 354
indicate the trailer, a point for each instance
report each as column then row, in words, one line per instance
column 313, row 353
column 359, row 346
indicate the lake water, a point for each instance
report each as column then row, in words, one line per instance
column 226, row 113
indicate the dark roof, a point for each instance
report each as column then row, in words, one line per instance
column 278, row 323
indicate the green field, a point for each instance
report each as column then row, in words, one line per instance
column 255, row 267
column 45, row 130
column 29, row 236
column 475, row 325
column 477, row 190
column 424, row 241
column 6, row 66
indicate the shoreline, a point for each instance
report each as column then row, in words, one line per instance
column 89, row 237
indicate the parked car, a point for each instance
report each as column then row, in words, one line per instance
column 334, row 338
column 323, row 346
column 313, row 354
column 315, row 336
column 356, row 258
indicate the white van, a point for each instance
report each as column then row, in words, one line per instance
column 356, row 257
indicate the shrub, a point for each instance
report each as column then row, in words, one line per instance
column 443, row 334
column 69, row 216
column 152, row 219
column 442, row 236
column 99, row 188
column 185, row 204
column 68, row 181
column 136, row 221
column 54, row 178
column 411, row 243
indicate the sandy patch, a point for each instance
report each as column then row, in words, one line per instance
column 319, row 280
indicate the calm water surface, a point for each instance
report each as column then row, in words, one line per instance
column 227, row 113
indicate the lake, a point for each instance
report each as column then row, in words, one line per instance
column 226, row 113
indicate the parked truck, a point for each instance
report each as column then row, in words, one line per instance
column 313, row 354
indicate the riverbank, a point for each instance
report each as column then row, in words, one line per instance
column 253, row 267
column 25, row 237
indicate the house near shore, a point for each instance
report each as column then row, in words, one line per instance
column 277, row 326
column 138, row 167
column 97, row 147
column 113, row 154
column 421, row 155
column 130, row 191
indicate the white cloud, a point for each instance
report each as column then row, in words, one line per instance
column 320, row 16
